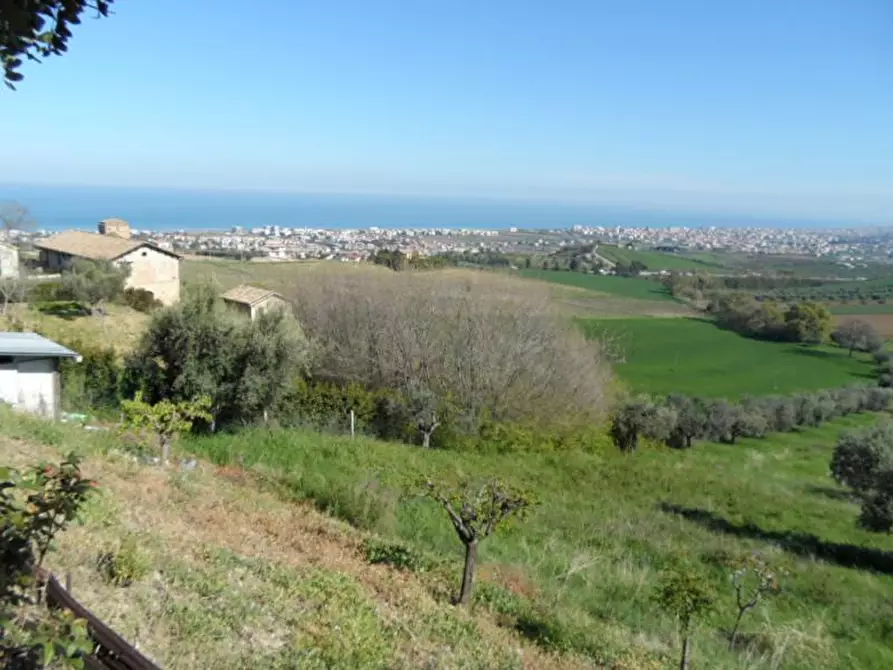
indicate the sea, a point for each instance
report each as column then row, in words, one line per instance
column 62, row 207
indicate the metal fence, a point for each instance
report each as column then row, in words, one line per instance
column 111, row 652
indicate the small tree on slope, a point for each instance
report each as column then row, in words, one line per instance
column 476, row 512
column 165, row 419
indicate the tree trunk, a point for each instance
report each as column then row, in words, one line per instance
column 734, row 637
column 426, row 439
column 471, row 557
column 851, row 352
column 686, row 653
column 165, row 449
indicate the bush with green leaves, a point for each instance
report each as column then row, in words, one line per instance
column 395, row 554
column 36, row 505
column 92, row 383
column 863, row 461
column 683, row 594
column 165, row 420
column 94, row 283
column 126, row 564
column 141, row 300
column 199, row 349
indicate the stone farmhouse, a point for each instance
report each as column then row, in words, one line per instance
column 151, row 268
column 251, row 300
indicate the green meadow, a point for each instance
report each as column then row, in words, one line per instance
column 659, row 260
column 693, row 356
column 624, row 287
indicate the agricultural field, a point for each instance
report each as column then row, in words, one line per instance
column 659, row 260
column 623, row 287
column 695, row 357
column 578, row 575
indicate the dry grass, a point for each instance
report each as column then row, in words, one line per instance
column 241, row 579
column 277, row 276
column 120, row 329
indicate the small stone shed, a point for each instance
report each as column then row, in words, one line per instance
column 252, row 300
column 29, row 372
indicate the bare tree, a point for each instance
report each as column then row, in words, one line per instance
column 857, row 335
column 15, row 216
column 489, row 344
column 12, row 290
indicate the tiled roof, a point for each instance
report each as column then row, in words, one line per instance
column 248, row 295
column 92, row 245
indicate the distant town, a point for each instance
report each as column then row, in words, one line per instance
column 281, row 243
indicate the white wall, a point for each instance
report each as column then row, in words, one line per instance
column 9, row 261
column 154, row 271
column 30, row 385
column 9, row 383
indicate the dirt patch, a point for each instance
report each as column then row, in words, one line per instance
column 882, row 322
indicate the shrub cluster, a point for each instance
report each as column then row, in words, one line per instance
column 805, row 322
column 679, row 420
column 140, row 299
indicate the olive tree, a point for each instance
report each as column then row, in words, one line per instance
column 476, row 511
column 94, row 283
column 691, row 420
column 34, row 29
column 640, row 417
column 196, row 348
column 863, row 461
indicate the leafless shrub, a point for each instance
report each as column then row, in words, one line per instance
column 490, row 345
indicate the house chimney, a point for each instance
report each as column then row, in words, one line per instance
column 115, row 228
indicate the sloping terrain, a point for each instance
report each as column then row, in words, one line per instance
column 239, row 579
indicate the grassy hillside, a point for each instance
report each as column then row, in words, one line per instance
column 582, row 570
column 694, row 356
column 238, row 578
column 624, row 287
column 244, row 578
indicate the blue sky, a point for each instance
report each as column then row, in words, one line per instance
column 760, row 106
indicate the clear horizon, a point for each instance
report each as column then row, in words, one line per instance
column 58, row 207
column 758, row 108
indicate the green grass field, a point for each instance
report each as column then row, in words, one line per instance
column 658, row 260
column 624, row 287
column 694, row 356
column 589, row 557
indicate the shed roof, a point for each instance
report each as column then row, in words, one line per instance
column 93, row 245
column 32, row 344
column 248, row 295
